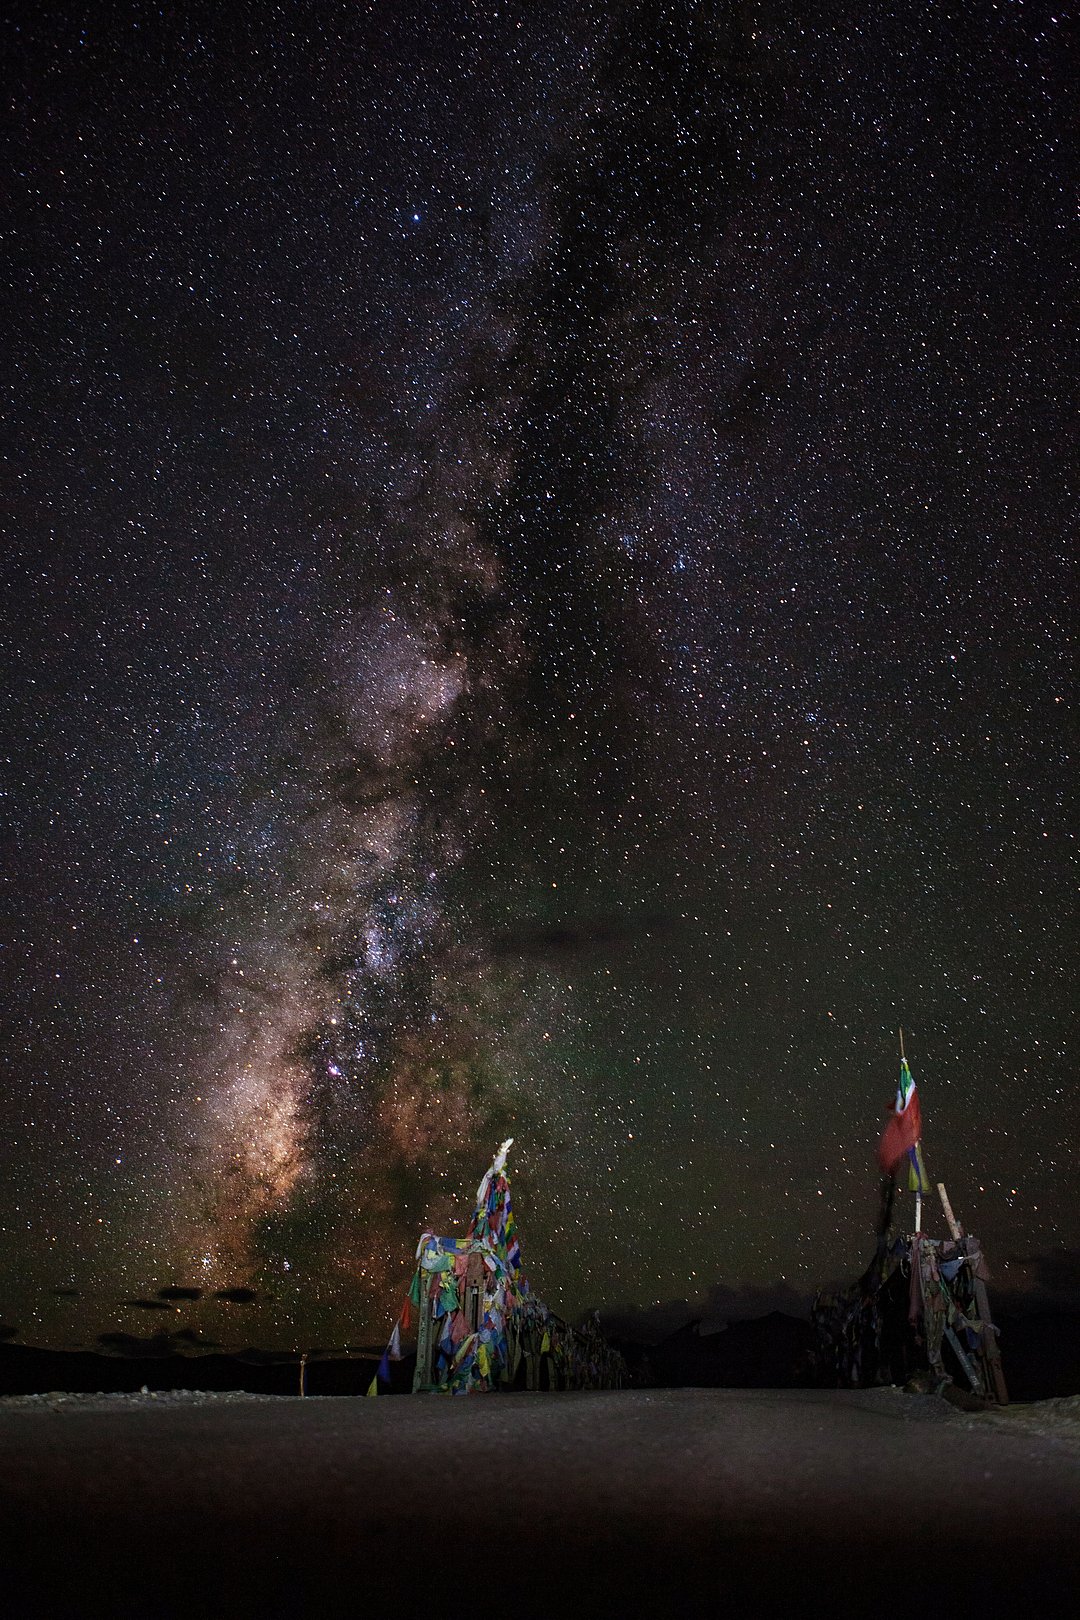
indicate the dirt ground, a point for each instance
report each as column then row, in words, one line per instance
column 678, row 1501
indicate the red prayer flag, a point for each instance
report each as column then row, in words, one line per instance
column 904, row 1126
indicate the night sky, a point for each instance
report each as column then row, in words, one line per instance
column 536, row 558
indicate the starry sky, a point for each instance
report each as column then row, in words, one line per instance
column 536, row 564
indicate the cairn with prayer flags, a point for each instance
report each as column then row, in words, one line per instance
column 920, row 1313
column 479, row 1327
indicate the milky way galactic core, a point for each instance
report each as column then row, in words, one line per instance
column 536, row 556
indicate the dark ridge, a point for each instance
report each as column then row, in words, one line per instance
column 767, row 1352
column 25, row 1370
column 1041, row 1355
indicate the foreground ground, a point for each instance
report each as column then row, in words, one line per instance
column 680, row 1501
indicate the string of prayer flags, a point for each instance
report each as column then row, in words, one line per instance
column 478, row 1320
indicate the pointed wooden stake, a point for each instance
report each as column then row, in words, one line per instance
column 955, row 1231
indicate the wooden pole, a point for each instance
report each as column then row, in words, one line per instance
column 989, row 1336
column 918, row 1190
column 991, row 1353
column 955, row 1231
column 303, row 1373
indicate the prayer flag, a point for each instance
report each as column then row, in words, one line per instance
column 900, row 1138
column 917, row 1178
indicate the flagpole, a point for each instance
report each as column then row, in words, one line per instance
column 918, row 1190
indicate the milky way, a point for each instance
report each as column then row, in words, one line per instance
column 537, row 546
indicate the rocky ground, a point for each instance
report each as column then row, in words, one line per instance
column 682, row 1501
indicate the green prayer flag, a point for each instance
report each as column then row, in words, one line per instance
column 918, row 1180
